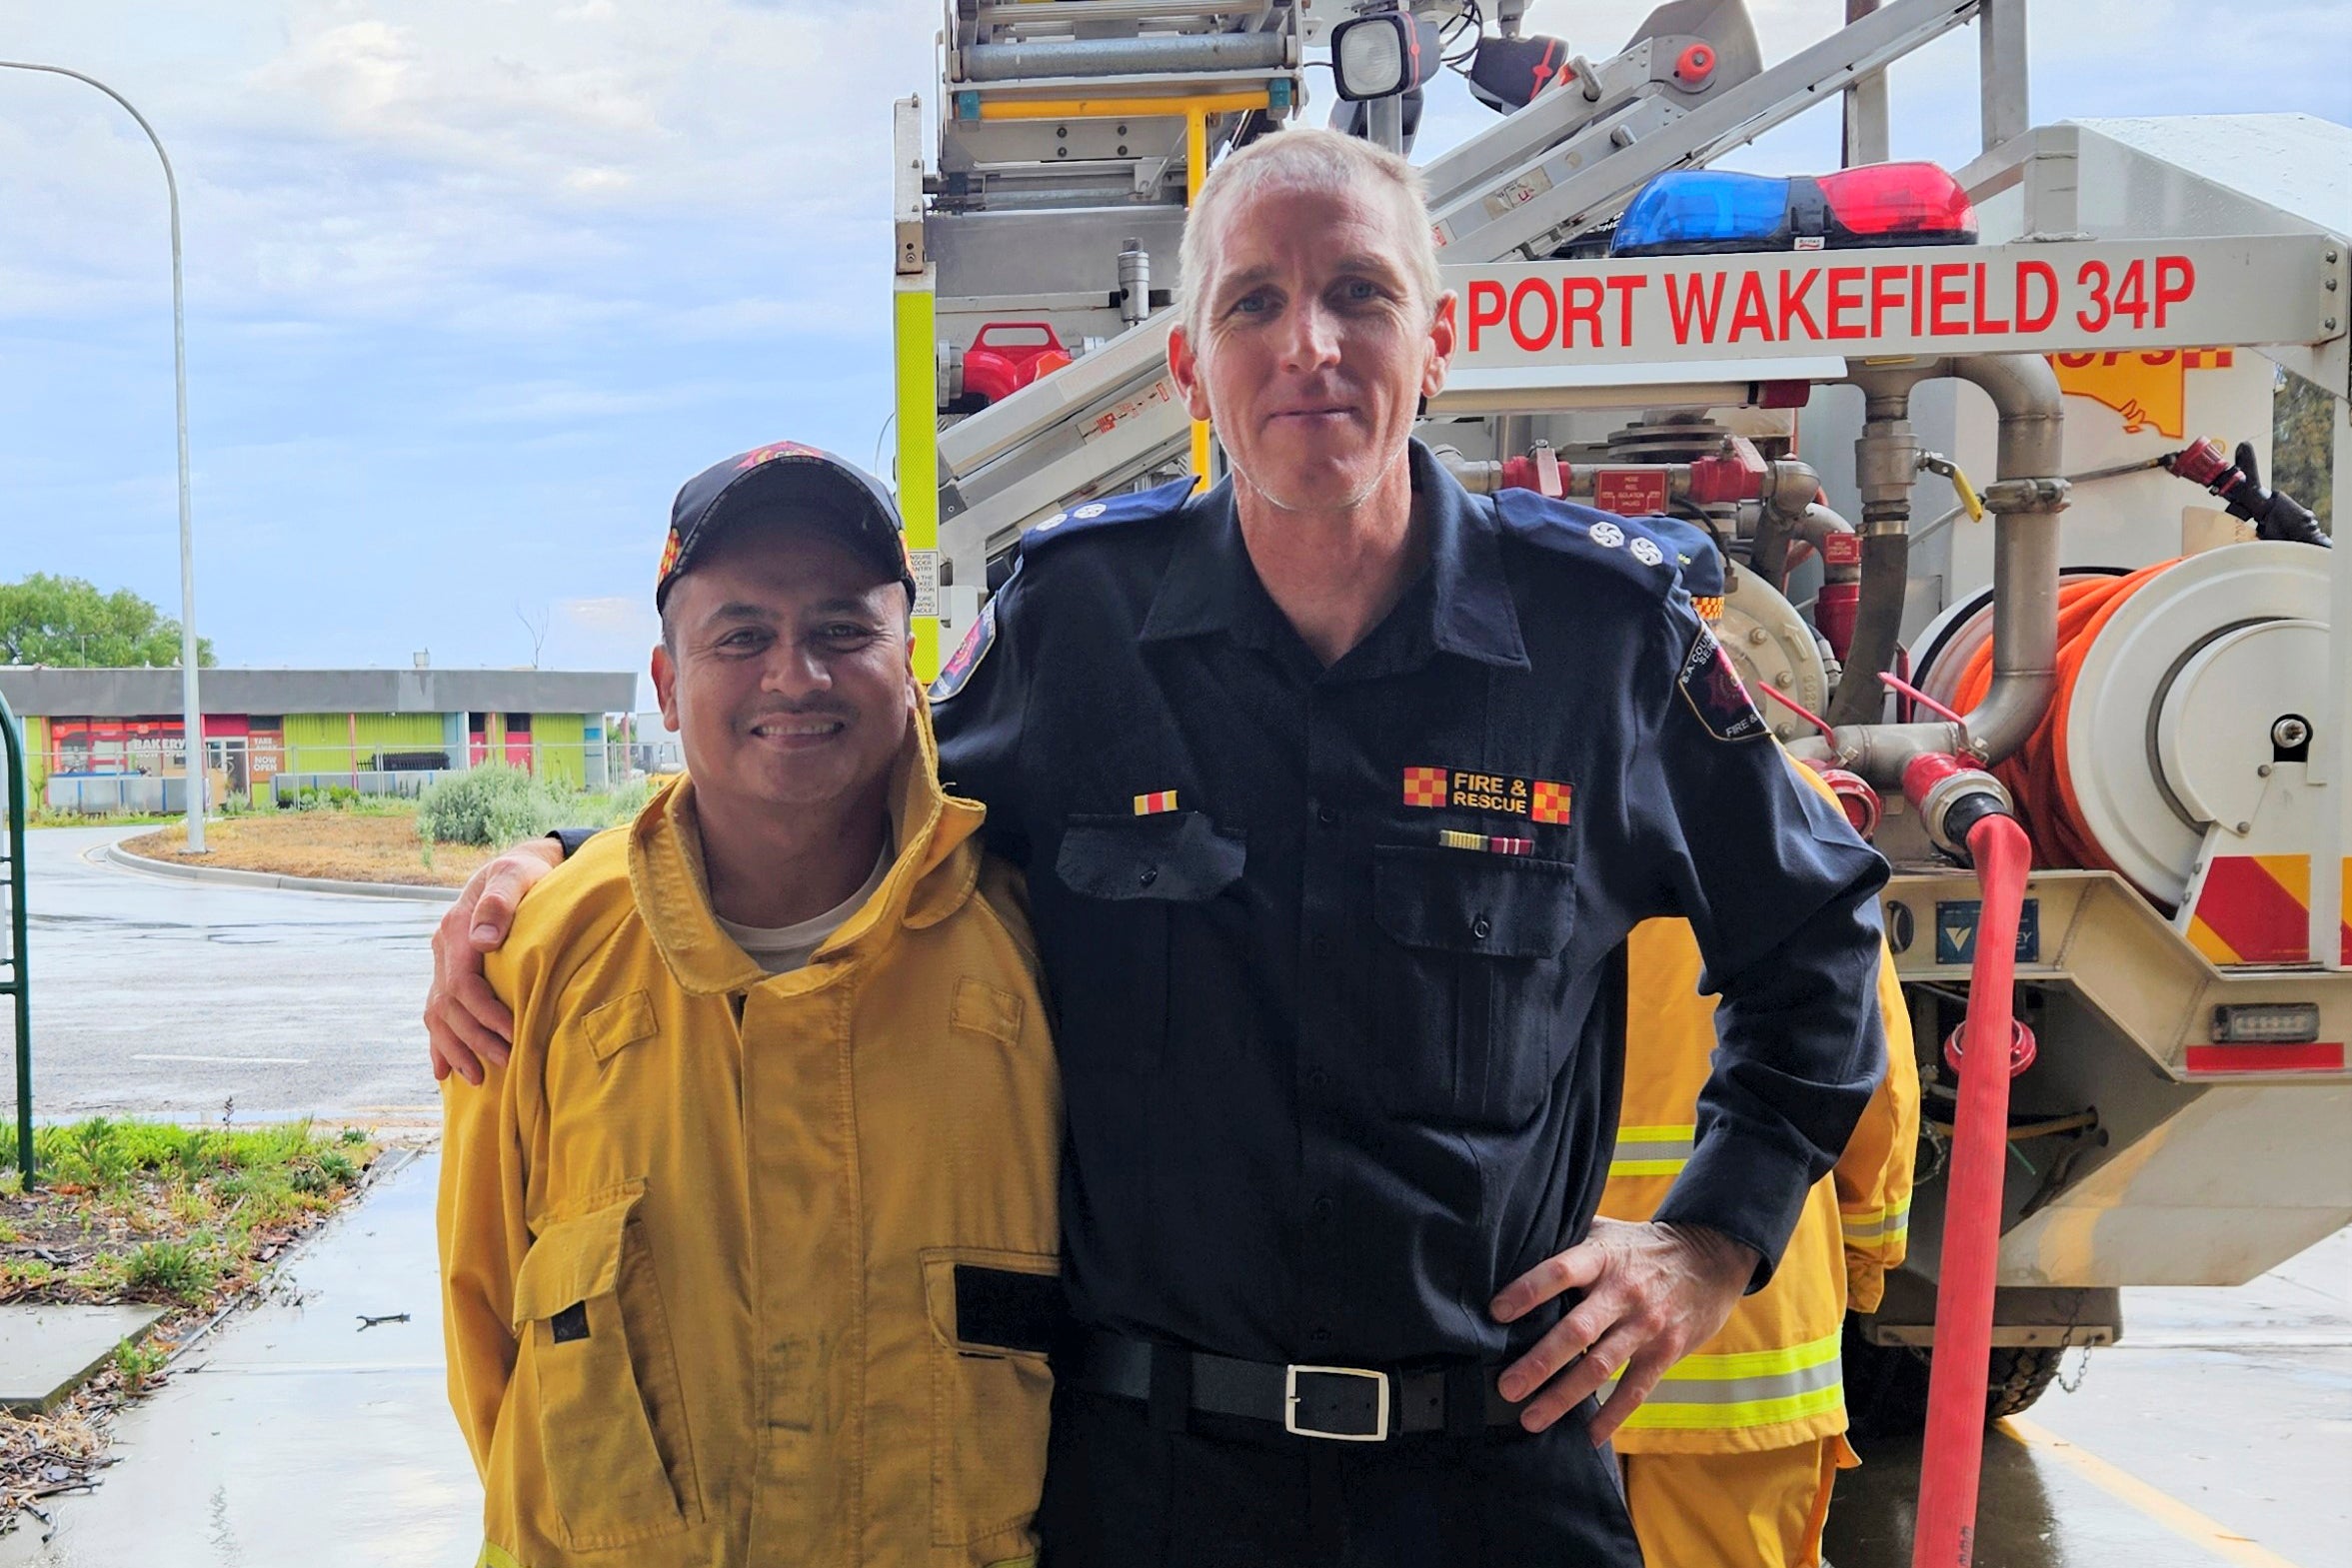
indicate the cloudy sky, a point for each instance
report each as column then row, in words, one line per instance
column 473, row 284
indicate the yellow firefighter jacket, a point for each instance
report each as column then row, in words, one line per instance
column 1772, row 1378
column 750, row 1270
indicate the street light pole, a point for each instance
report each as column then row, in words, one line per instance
column 193, row 711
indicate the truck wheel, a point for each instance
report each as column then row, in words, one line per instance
column 2020, row 1374
column 1886, row 1385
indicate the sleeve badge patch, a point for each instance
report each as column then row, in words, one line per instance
column 967, row 655
column 1712, row 688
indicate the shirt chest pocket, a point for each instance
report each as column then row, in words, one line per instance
column 1130, row 896
column 1467, row 1022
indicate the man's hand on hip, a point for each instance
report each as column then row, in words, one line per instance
column 465, row 1024
column 1652, row 1294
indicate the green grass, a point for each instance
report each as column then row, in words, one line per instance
column 156, row 1212
column 137, row 1364
column 181, row 1271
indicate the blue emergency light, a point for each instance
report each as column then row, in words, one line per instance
column 1705, row 211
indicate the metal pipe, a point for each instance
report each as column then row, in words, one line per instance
column 1165, row 54
column 2024, row 503
column 192, row 711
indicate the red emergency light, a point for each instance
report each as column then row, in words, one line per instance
column 1704, row 211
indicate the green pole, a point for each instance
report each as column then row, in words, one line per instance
column 18, row 985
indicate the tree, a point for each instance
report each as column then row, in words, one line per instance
column 65, row 620
column 2302, row 443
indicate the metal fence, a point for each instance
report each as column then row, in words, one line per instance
column 262, row 775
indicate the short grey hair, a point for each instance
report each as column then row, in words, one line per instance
column 1306, row 157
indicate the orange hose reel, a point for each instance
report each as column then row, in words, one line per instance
column 2040, row 774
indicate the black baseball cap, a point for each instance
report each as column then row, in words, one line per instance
column 787, row 483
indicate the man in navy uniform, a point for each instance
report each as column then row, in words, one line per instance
column 1337, row 791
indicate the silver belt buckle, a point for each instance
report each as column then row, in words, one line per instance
column 1379, row 1431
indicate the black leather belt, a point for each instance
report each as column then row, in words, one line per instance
column 1343, row 1403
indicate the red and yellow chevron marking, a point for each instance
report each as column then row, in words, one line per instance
column 2254, row 908
column 1709, row 607
column 1550, row 802
column 1425, row 787
column 1153, row 803
column 668, row 560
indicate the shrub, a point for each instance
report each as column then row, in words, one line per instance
column 178, row 1269
column 493, row 805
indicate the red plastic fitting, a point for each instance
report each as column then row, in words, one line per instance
column 1834, row 609
column 1007, row 355
column 2202, row 461
column 1854, row 795
column 1695, row 64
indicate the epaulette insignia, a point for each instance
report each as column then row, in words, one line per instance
column 1156, row 502
column 1567, row 528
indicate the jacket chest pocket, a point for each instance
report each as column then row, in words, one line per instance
column 1130, row 894
column 1467, row 1006
column 610, row 1410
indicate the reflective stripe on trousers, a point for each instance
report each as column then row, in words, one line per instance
column 1748, row 1389
column 1874, row 1230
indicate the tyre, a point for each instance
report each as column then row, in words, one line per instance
column 1886, row 1385
column 2020, row 1374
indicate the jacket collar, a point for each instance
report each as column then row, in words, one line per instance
column 933, row 873
column 1463, row 605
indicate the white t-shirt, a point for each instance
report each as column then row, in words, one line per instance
column 779, row 950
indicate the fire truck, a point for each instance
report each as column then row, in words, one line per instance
column 1985, row 450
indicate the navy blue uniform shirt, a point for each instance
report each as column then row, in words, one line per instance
column 1336, row 951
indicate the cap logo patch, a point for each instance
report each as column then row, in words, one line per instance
column 780, row 448
column 1713, row 690
column 1608, row 535
column 1155, row 802
column 1646, row 553
column 1092, row 509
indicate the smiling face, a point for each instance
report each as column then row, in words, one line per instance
column 783, row 670
column 1313, row 344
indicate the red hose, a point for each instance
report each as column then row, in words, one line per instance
column 1945, row 1533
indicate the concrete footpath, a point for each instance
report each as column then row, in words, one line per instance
column 292, row 1436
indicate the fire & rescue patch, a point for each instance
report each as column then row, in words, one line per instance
column 1713, row 690
column 1438, row 789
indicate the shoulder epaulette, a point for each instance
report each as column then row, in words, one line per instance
column 1634, row 550
column 1690, row 546
column 1158, row 502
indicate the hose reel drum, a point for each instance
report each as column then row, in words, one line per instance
column 2189, row 709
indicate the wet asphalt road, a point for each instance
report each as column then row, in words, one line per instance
column 159, row 996
column 2218, row 1432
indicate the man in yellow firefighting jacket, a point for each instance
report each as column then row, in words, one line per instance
column 1730, row 1462
column 750, row 1250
